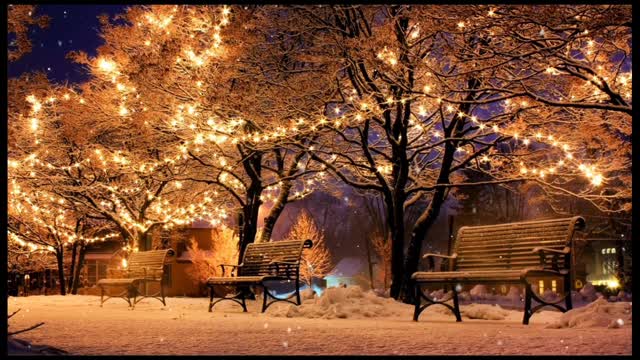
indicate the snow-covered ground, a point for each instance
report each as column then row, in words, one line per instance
column 342, row 321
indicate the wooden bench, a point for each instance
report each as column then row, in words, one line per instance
column 143, row 267
column 504, row 254
column 261, row 263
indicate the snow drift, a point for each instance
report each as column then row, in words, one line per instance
column 342, row 303
column 599, row 313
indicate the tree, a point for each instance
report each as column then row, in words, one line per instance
column 224, row 250
column 315, row 262
column 191, row 76
column 427, row 93
column 19, row 19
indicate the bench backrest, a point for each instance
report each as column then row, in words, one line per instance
column 258, row 257
column 508, row 246
column 152, row 259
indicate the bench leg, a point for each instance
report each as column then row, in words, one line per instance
column 527, row 303
column 418, row 300
column 456, row 305
column 265, row 294
column 133, row 290
column 298, row 291
column 162, row 294
column 244, row 304
column 211, row 296
column 567, row 292
column 101, row 295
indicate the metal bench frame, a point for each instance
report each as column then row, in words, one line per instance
column 549, row 254
column 261, row 263
column 144, row 267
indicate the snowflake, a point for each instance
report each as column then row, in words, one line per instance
column 266, row 325
column 500, row 342
column 285, row 344
column 289, row 330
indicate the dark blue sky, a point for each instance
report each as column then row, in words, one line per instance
column 72, row 27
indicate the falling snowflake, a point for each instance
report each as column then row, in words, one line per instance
column 289, row 330
column 500, row 342
column 285, row 344
column 60, row 43
column 266, row 325
column 620, row 322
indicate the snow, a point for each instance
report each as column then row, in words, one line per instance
column 338, row 302
column 77, row 324
column 484, row 311
column 599, row 313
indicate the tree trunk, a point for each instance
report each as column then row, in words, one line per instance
column 367, row 244
column 275, row 212
column 250, row 218
column 59, row 254
column 76, row 277
column 74, row 247
column 420, row 231
column 397, row 248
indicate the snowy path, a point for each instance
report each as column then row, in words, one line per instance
column 78, row 325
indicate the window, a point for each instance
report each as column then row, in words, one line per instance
column 609, row 266
column 541, row 286
column 165, row 239
column 609, row 261
column 96, row 270
column 554, row 286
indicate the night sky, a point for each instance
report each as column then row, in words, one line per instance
column 72, row 27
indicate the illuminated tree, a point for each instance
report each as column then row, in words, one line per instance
column 315, row 262
column 192, row 112
column 430, row 93
column 19, row 19
column 221, row 103
column 224, row 250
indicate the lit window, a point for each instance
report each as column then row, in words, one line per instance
column 604, row 251
column 541, row 286
column 554, row 287
column 613, row 250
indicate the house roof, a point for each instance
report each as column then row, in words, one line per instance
column 348, row 267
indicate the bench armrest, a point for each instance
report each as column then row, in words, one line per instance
column 431, row 264
column 564, row 251
column 554, row 254
column 234, row 266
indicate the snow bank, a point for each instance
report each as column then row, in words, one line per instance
column 474, row 311
column 599, row 313
column 342, row 303
column 484, row 312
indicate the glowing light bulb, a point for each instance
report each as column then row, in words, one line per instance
column 106, row 65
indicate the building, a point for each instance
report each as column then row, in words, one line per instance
column 101, row 257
